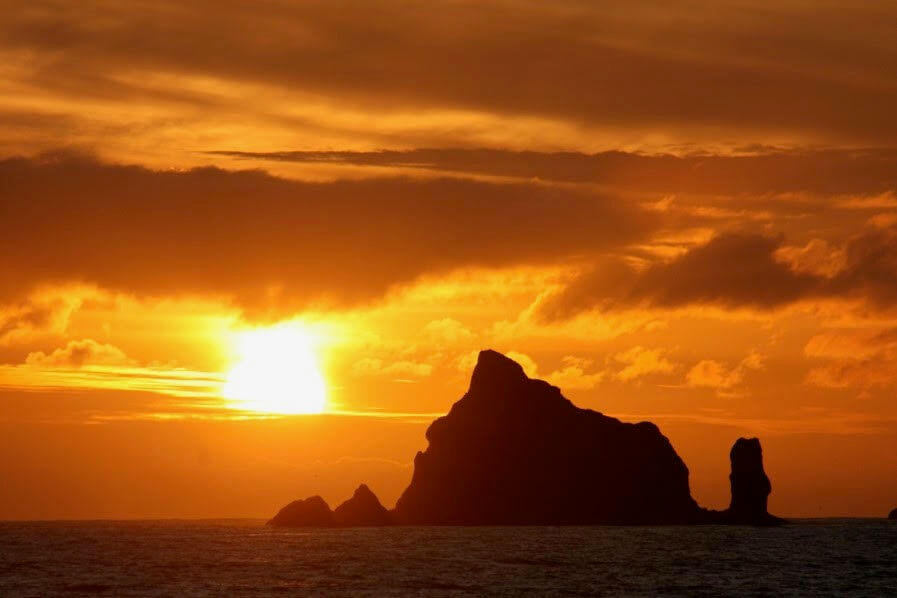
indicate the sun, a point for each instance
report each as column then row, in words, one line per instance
column 277, row 372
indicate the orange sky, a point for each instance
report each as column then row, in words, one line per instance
column 687, row 215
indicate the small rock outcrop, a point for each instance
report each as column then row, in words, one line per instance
column 311, row 512
column 893, row 514
column 363, row 509
column 514, row 451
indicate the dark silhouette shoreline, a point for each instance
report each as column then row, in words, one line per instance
column 514, row 451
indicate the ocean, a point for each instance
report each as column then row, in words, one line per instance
column 245, row 558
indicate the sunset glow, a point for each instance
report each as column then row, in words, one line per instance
column 215, row 216
column 278, row 372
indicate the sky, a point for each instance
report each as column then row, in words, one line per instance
column 214, row 214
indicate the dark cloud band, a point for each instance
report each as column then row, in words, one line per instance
column 266, row 241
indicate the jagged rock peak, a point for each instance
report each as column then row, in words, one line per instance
column 363, row 509
column 493, row 368
column 514, row 451
column 364, row 493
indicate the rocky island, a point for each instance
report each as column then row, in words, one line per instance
column 362, row 510
column 514, row 451
column 893, row 515
column 311, row 512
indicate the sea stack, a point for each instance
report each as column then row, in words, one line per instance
column 893, row 514
column 363, row 509
column 311, row 512
column 514, row 451
column 750, row 485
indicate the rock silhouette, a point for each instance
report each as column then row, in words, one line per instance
column 750, row 485
column 311, row 512
column 892, row 514
column 363, row 509
column 750, row 488
column 514, row 451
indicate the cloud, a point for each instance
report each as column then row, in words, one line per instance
column 729, row 75
column 271, row 243
column 860, row 359
column 371, row 366
column 275, row 246
column 640, row 362
column 817, row 258
column 447, row 331
column 573, row 376
column 731, row 270
column 827, row 172
column 43, row 311
column 737, row 270
column 20, row 318
column 883, row 220
column 882, row 201
column 80, row 353
column 871, row 269
column 709, row 373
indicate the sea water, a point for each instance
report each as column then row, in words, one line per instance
column 246, row 558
